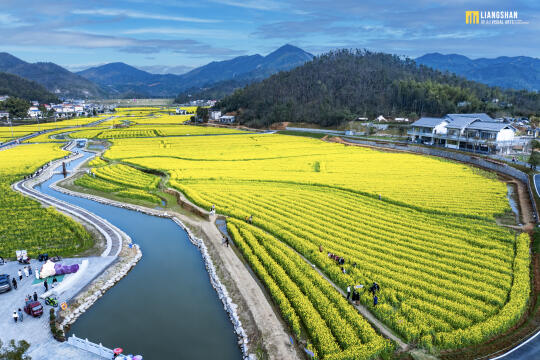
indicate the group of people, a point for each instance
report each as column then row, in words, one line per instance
column 18, row 315
column 249, row 219
column 338, row 259
column 355, row 295
column 25, row 272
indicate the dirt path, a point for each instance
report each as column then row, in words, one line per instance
column 378, row 325
column 273, row 332
column 525, row 207
column 230, row 257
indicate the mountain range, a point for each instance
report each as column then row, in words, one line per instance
column 519, row 72
column 122, row 79
column 54, row 78
column 220, row 78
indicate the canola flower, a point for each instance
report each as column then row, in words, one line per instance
column 24, row 223
column 422, row 227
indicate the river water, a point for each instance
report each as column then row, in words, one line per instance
column 165, row 308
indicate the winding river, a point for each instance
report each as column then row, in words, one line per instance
column 166, row 307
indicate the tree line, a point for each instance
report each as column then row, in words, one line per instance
column 344, row 84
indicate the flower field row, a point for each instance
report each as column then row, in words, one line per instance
column 428, row 265
column 24, row 223
column 306, row 300
column 127, row 175
column 120, row 180
column 308, row 161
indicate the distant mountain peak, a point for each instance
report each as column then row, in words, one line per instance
column 123, row 78
column 289, row 49
column 519, row 72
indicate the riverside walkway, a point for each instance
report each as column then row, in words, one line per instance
column 112, row 234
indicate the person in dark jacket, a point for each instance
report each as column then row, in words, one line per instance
column 35, row 296
column 14, row 282
column 355, row 297
column 46, row 285
column 375, row 300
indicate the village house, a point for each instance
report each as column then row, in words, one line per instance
column 215, row 115
column 4, row 115
column 4, row 97
column 464, row 132
column 180, row 111
column 226, row 119
column 34, row 112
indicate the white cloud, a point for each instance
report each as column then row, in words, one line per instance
column 252, row 4
column 7, row 20
column 140, row 15
column 213, row 33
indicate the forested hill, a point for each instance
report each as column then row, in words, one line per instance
column 342, row 85
column 16, row 86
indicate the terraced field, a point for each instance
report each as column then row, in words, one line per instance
column 423, row 228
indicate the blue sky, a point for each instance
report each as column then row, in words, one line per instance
column 175, row 36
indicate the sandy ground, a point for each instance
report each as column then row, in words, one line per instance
column 36, row 330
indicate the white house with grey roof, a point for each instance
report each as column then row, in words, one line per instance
column 463, row 131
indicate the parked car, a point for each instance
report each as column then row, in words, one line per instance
column 33, row 308
column 5, row 284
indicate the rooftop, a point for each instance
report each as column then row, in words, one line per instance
column 488, row 126
column 429, row 121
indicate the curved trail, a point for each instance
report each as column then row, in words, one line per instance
column 111, row 233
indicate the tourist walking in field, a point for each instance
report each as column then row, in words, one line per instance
column 348, row 292
column 375, row 300
column 15, row 316
column 355, row 297
column 20, row 274
column 14, row 282
column 25, row 270
column 251, row 219
column 20, row 315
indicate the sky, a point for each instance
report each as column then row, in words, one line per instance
column 175, row 36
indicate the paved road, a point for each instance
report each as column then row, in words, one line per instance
column 111, row 234
column 529, row 349
column 30, row 136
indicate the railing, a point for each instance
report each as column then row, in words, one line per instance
column 86, row 345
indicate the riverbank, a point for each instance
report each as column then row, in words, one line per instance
column 257, row 325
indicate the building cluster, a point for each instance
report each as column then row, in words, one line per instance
column 224, row 119
column 477, row 132
column 381, row 118
column 63, row 110
column 202, row 102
